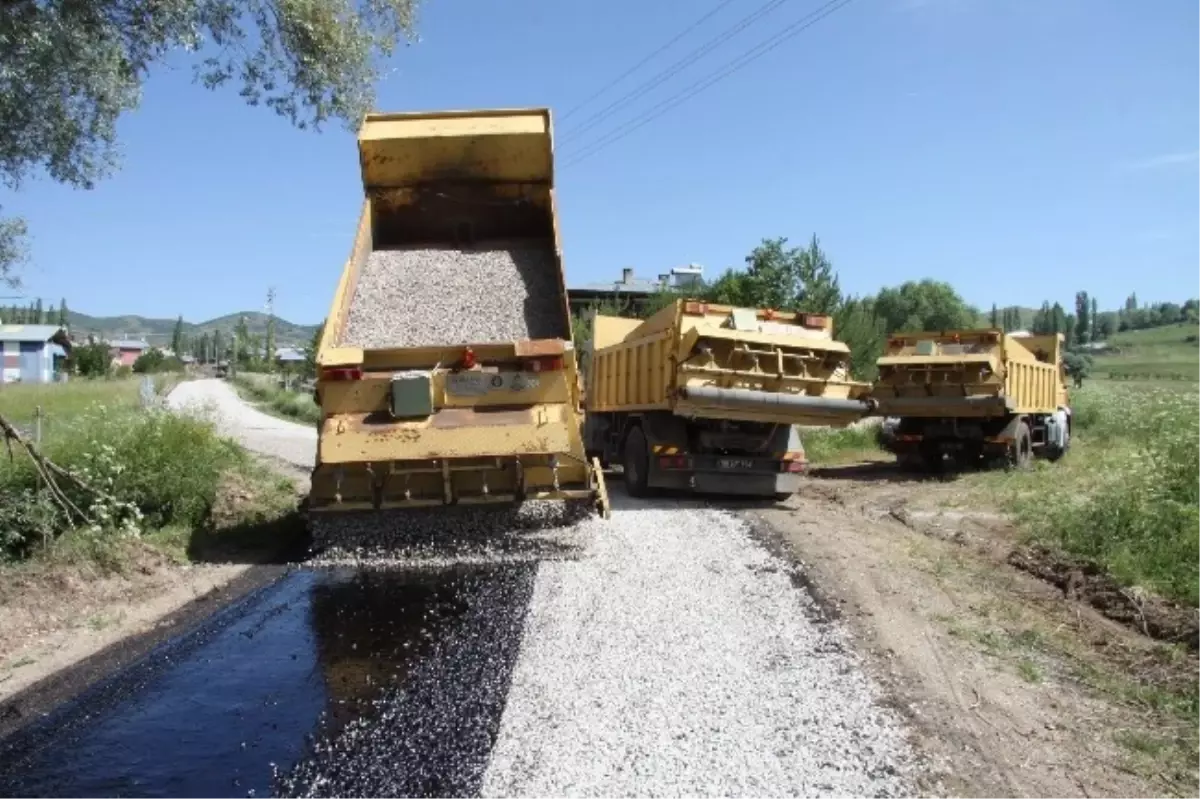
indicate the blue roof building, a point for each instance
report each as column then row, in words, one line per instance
column 633, row 290
column 32, row 353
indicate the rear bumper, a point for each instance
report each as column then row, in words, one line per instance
column 942, row 406
column 731, row 483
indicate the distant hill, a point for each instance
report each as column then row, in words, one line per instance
column 159, row 331
column 1167, row 352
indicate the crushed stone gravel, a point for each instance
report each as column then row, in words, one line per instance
column 447, row 296
column 679, row 658
column 449, row 536
column 670, row 655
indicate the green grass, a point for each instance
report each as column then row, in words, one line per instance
column 63, row 400
column 825, row 446
column 1163, row 353
column 151, row 471
column 264, row 392
column 1126, row 496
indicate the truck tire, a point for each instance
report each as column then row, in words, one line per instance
column 1020, row 452
column 637, row 463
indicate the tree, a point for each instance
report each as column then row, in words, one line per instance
column 1058, row 319
column 310, row 351
column 1106, row 325
column 71, row 69
column 817, row 289
column 91, row 360
column 771, row 275
column 218, row 346
column 925, row 305
column 1083, row 316
column 176, row 338
column 856, row 324
column 39, row 313
column 995, row 317
column 729, row 289
column 149, row 362
column 63, row 319
column 1078, row 366
column 1092, row 320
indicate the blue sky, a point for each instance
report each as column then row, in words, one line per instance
column 1020, row 149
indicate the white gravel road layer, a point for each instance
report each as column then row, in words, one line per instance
column 258, row 432
column 679, row 658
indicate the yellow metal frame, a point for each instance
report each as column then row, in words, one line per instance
column 492, row 447
column 1024, row 375
column 641, row 366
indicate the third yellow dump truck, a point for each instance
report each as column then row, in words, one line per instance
column 975, row 396
column 706, row 397
column 446, row 371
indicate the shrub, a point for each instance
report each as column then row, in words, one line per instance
column 1134, row 506
column 153, row 362
column 155, row 468
column 91, row 360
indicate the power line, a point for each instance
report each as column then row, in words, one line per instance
column 639, row 64
column 674, row 69
column 716, row 76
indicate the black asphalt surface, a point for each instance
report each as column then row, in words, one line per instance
column 323, row 683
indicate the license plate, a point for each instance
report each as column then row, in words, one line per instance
column 735, row 463
column 476, row 384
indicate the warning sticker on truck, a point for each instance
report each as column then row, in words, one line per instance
column 477, row 384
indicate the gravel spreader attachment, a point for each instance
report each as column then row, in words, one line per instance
column 446, row 371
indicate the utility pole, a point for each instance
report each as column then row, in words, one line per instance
column 269, row 344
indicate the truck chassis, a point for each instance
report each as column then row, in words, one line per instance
column 1010, row 441
column 659, row 450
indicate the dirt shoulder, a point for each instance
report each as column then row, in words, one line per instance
column 1011, row 686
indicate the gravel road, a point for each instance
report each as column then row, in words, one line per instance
column 670, row 653
column 294, row 444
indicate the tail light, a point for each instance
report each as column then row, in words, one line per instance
column 468, row 359
column 548, row 363
column 793, row 462
column 693, row 307
column 673, row 461
column 342, row 373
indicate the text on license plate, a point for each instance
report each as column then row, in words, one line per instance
column 735, row 463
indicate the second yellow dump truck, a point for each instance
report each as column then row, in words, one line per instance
column 446, row 371
column 975, row 396
column 706, row 397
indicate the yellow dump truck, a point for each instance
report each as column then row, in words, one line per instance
column 446, row 371
column 706, row 397
column 973, row 395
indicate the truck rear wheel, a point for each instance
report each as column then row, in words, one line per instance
column 636, row 463
column 1020, row 451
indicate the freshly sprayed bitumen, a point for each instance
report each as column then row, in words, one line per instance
column 448, row 296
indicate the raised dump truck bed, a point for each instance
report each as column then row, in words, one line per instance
column 446, row 373
column 707, row 396
column 974, row 394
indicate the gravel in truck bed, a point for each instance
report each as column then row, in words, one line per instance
column 447, row 296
